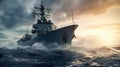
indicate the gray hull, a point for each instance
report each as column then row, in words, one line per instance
column 62, row 36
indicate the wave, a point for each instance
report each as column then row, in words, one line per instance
column 74, row 55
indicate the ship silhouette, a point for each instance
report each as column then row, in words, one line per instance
column 46, row 32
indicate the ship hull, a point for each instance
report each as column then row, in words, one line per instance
column 62, row 36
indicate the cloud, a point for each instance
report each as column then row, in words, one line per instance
column 61, row 9
column 8, row 44
column 64, row 8
column 18, row 12
column 111, row 26
column 2, row 35
column 13, row 12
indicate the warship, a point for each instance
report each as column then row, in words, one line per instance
column 44, row 31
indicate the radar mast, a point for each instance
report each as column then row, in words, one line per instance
column 41, row 13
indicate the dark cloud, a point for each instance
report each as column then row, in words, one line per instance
column 1, row 1
column 2, row 35
column 13, row 12
column 61, row 9
column 17, row 12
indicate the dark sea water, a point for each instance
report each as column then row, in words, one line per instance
column 31, row 57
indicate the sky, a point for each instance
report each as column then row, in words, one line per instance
column 98, row 20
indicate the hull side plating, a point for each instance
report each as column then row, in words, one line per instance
column 62, row 36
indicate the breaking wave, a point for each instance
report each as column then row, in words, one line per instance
column 77, row 55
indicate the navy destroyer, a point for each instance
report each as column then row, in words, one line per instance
column 46, row 32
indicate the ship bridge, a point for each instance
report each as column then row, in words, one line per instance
column 43, row 27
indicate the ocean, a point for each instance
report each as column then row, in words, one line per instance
column 59, row 57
